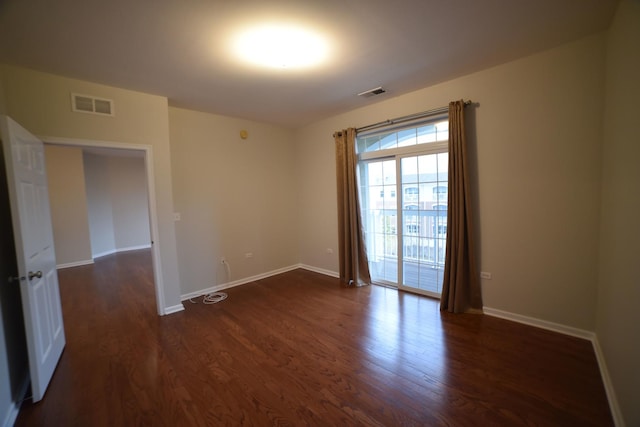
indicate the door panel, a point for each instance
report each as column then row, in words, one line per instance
column 424, row 212
column 404, row 207
column 379, row 211
column 30, row 213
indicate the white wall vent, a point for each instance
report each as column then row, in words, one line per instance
column 91, row 104
column 372, row 92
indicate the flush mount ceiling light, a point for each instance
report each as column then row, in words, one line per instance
column 281, row 46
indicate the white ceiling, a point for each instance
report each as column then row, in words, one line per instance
column 177, row 48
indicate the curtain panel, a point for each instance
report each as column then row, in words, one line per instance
column 461, row 286
column 354, row 266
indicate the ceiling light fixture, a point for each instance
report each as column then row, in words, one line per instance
column 281, row 46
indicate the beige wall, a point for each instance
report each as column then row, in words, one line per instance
column 117, row 202
column 618, row 317
column 65, row 173
column 40, row 102
column 537, row 142
column 99, row 205
column 130, row 202
column 235, row 197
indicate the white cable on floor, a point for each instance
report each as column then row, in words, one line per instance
column 211, row 298
column 215, row 297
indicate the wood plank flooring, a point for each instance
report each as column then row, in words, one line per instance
column 297, row 349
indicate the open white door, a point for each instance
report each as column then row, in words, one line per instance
column 30, row 212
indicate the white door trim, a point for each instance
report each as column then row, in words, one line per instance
column 153, row 215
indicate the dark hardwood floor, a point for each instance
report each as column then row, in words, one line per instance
column 297, row 349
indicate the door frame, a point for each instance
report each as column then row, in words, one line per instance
column 151, row 191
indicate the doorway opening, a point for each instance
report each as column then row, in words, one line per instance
column 109, row 148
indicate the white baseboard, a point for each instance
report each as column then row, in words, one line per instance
column 14, row 407
column 616, row 413
column 74, row 264
column 173, row 309
column 105, row 253
column 239, row 282
column 532, row 321
column 574, row 332
column 101, row 254
column 117, row 250
column 320, row 270
column 133, row 248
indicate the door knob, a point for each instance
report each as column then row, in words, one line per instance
column 37, row 274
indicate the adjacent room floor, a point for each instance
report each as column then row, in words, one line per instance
column 298, row 349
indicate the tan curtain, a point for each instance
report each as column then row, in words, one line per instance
column 461, row 285
column 354, row 267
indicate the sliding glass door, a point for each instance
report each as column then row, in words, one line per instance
column 404, row 195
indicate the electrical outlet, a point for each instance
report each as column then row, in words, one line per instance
column 485, row 275
column 248, row 255
column 329, row 250
column 176, row 216
column 223, row 260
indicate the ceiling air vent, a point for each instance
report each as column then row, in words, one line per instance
column 91, row 104
column 372, row 92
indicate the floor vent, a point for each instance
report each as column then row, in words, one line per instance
column 372, row 92
column 91, row 104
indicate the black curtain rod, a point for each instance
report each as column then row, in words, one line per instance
column 408, row 118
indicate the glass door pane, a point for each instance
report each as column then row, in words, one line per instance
column 424, row 181
column 378, row 194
